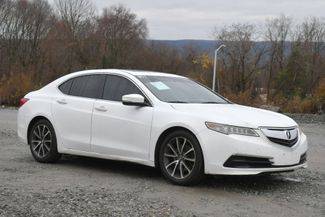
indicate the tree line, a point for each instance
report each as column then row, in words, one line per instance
column 282, row 65
column 287, row 67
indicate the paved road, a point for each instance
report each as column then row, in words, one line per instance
column 79, row 186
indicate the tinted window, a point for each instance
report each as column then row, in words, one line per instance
column 65, row 87
column 116, row 87
column 94, row 86
column 90, row 86
column 78, row 86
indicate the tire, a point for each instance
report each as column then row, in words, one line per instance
column 42, row 142
column 181, row 159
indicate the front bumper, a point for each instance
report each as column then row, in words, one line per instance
column 218, row 148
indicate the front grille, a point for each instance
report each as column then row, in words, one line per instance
column 283, row 136
column 288, row 143
column 236, row 161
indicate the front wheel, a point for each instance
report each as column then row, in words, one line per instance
column 181, row 159
column 43, row 143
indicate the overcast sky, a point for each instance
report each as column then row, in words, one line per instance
column 196, row 19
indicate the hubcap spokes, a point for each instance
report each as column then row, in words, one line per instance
column 179, row 157
column 41, row 140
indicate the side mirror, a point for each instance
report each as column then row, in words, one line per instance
column 134, row 99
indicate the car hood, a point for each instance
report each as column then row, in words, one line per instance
column 237, row 115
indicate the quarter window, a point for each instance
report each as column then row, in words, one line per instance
column 116, row 87
column 65, row 87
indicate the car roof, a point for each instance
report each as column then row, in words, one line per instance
column 125, row 72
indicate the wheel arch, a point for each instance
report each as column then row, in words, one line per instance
column 32, row 122
column 163, row 135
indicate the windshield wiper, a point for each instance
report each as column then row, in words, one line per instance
column 211, row 102
column 177, row 101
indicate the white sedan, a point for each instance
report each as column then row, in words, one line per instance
column 160, row 120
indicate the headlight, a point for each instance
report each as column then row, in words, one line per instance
column 228, row 129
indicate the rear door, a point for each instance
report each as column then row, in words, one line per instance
column 120, row 130
column 72, row 110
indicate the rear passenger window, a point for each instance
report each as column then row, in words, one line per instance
column 116, row 87
column 90, row 86
column 94, row 86
column 78, row 86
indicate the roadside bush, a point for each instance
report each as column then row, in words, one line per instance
column 14, row 87
column 320, row 95
column 244, row 98
column 296, row 104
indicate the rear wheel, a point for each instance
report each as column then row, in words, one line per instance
column 181, row 159
column 43, row 143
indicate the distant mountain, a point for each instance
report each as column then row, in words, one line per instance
column 210, row 45
column 201, row 45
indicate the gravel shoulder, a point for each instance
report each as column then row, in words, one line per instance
column 80, row 186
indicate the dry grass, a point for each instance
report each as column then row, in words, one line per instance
column 15, row 87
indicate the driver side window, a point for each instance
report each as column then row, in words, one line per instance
column 117, row 86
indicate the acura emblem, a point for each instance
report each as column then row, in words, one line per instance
column 288, row 134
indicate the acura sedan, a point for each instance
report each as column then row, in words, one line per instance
column 159, row 120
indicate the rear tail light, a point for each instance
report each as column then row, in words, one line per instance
column 22, row 101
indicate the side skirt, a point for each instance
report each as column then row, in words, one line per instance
column 108, row 157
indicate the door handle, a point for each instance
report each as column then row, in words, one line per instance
column 62, row 101
column 101, row 108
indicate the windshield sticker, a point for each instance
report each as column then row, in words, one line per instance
column 159, row 85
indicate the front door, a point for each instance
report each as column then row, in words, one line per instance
column 119, row 130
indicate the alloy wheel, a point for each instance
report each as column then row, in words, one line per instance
column 41, row 141
column 179, row 157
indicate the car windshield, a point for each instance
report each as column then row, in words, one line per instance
column 180, row 90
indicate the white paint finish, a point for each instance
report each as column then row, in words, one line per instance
column 218, row 148
column 121, row 130
column 73, row 121
column 237, row 115
column 111, row 130
column 133, row 98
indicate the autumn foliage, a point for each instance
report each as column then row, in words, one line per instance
column 39, row 42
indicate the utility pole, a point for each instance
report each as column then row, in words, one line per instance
column 215, row 68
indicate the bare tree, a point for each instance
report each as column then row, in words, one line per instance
column 122, row 32
column 40, row 22
column 310, row 38
column 277, row 33
column 242, row 58
column 77, row 17
column 76, row 14
column 38, row 43
column 5, row 11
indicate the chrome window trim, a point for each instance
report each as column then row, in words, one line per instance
column 105, row 74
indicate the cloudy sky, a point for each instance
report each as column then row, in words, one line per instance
column 196, row 19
